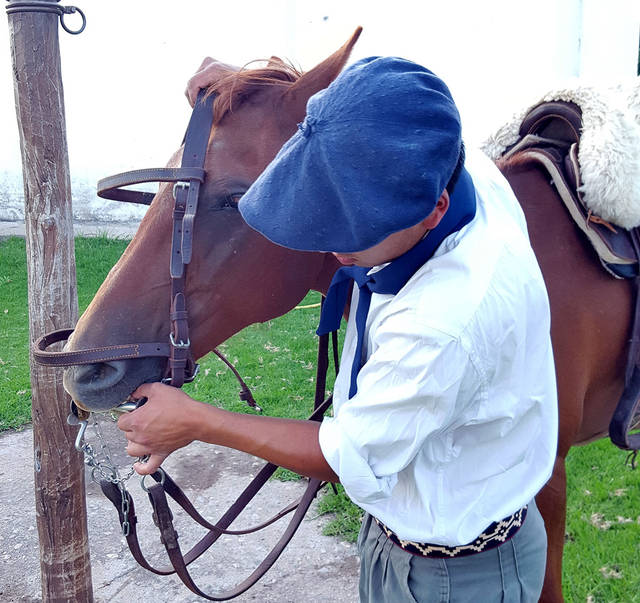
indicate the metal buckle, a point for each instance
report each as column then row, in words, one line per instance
column 193, row 375
column 187, row 378
column 182, row 185
column 181, row 344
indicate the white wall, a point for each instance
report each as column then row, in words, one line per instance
column 609, row 41
column 124, row 76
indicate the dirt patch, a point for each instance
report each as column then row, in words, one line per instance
column 313, row 567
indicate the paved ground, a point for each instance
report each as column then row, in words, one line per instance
column 112, row 229
column 313, row 568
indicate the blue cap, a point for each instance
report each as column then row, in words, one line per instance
column 375, row 152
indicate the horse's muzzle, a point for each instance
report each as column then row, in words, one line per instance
column 104, row 386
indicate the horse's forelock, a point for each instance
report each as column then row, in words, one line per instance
column 236, row 87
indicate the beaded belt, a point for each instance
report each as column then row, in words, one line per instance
column 495, row 535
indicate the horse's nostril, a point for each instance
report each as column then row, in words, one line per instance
column 102, row 386
column 98, row 376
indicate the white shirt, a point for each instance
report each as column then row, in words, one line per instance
column 454, row 424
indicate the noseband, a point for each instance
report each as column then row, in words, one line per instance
column 181, row 367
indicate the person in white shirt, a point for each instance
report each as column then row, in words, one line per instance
column 445, row 411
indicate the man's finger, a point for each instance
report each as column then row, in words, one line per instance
column 143, row 391
column 148, row 467
column 134, row 449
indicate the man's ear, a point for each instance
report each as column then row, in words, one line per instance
column 442, row 205
column 318, row 78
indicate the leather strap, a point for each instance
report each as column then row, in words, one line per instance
column 622, row 420
column 169, row 537
column 112, row 187
column 181, row 366
column 92, row 355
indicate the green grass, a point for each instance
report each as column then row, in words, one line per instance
column 277, row 359
column 603, row 526
column 15, row 388
column 94, row 258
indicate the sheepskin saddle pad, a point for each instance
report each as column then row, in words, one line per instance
column 588, row 139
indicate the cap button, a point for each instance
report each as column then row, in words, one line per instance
column 308, row 126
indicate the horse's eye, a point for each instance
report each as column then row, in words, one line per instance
column 232, row 200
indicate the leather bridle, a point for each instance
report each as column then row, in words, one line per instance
column 181, row 368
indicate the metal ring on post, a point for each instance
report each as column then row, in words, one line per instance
column 42, row 6
column 66, row 10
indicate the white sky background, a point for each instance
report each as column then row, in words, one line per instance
column 124, row 76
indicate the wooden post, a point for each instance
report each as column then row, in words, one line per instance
column 59, row 470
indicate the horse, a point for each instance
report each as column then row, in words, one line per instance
column 237, row 277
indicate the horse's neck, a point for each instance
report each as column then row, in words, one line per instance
column 328, row 269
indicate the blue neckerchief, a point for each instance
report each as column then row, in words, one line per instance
column 393, row 276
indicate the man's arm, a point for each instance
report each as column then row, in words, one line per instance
column 171, row 419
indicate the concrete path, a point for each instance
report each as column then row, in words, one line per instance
column 313, row 567
column 110, row 229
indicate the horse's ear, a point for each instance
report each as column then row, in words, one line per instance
column 319, row 77
column 275, row 62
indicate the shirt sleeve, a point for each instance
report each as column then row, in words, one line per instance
column 410, row 389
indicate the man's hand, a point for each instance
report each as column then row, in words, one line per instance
column 209, row 72
column 166, row 422
column 170, row 420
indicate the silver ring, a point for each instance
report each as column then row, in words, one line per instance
column 162, row 476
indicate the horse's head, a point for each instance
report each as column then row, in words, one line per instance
column 236, row 277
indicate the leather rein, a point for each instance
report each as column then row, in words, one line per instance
column 181, row 368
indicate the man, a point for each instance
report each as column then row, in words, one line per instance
column 445, row 410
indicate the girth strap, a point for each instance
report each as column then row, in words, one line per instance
column 626, row 411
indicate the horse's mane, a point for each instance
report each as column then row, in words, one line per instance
column 236, row 87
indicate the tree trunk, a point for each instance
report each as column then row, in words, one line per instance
column 59, row 471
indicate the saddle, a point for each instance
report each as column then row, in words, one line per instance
column 550, row 135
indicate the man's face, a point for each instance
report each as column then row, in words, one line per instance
column 397, row 243
column 388, row 249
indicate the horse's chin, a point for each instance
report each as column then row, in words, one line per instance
column 104, row 386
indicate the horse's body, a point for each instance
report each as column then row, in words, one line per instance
column 590, row 322
column 237, row 277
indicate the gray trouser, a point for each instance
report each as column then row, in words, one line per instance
column 510, row 573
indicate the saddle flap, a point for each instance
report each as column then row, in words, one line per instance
column 560, row 121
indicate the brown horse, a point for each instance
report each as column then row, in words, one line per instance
column 237, row 277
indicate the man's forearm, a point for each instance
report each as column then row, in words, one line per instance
column 289, row 443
